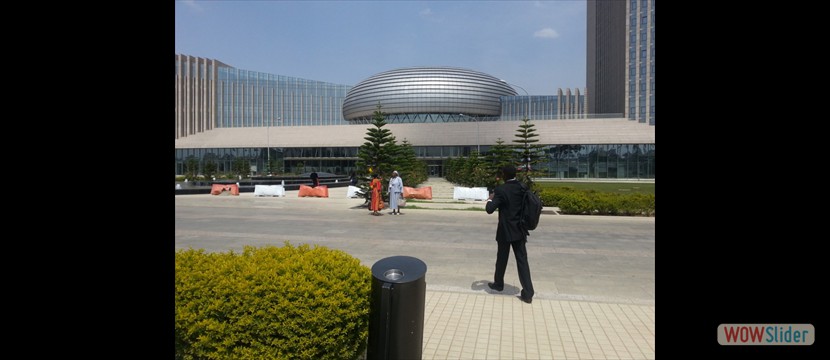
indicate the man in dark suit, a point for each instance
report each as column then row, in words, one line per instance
column 508, row 199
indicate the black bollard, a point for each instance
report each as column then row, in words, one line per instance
column 396, row 317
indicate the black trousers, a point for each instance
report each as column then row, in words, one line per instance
column 520, row 251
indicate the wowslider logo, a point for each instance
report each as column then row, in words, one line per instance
column 766, row 334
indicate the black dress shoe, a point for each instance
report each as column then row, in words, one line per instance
column 527, row 300
column 494, row 287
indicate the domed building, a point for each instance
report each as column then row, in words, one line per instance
column 282, row 124
column 427, row 94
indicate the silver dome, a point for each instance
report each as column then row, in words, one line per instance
column 427, row 90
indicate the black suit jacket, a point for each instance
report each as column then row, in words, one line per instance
column 508, row 199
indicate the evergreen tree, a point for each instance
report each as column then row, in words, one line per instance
column 191, row 167
column 209, row 166
column 476, row 171
column 240, row 166
column 412, row 170
column 452, row 169
column 500, row 155
column 376, row 155
column 527, row 151
column 468, row 171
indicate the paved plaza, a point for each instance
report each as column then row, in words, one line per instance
column 593, row 275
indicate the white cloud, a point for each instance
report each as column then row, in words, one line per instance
column 192, row 4
column 546, row 33
column 426, row 12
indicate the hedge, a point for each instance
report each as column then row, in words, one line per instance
column 271, row 303
column 590, row 202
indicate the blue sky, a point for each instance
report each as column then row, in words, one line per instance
column 537, row 45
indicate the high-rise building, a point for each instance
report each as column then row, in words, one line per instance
column 620, row 58
column 606, row 57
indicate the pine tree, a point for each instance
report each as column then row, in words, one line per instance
column 476, row 171
column 240, row 166
column 376, row 155
column 412, row 170
column 452, row 169
column 473, row 170
column 500, row 155
column 526, row 150
column 209, row 166
column 191, row 167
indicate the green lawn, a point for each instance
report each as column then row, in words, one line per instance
column 621, row 188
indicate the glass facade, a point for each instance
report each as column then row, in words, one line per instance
column 602, row 161
column 641, row 61
column 210, row 95
column 249, row 98
column 546, row 107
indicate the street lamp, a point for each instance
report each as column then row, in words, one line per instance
column 268, row 132
column 478, row 145
column 527, row 109
column 525, row 160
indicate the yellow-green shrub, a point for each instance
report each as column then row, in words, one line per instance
column 591, row 202
column 271, row 303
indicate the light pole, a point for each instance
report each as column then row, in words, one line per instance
column 478, row 144
column 268, row 132
column 527, row 109
column 525, row 160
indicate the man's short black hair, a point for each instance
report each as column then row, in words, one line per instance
column 509, row 172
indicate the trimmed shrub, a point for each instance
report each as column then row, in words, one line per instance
column 271, row 303
column 575, row 203
column 578, row 202
column 552, row 197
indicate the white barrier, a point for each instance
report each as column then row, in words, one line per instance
column 269, row 190
column 465, row 193
column 352, row 192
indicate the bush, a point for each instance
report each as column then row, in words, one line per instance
column 552, row 197
column 575, row 203
column 270, row 303
column 591, row 202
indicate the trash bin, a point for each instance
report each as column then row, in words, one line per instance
column 396, row 317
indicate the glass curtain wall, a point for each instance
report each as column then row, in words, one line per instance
column 598, row 161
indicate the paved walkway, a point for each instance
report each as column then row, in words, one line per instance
column 594, row 276
column 472, row 326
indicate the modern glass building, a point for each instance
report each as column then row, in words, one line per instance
column 606, row 57
column 292, row 125
column 620, row 54
column 211, row 94
column 639, row 59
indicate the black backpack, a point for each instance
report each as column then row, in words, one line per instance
column 531, row 209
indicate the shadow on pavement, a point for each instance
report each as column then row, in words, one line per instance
column 482, row 285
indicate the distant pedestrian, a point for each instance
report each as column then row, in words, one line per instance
column 395, row 192
column 352, row 179
column 377, row 200
column 315, row 180
column 507, row 198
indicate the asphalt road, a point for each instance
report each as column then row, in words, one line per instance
column 595, row 258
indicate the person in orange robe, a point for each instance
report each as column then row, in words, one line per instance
column 376, row 197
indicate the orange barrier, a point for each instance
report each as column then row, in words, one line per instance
column 217, row 189
column 320, row 191
column 419, row 193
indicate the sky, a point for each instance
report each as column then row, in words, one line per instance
column 537, row 46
